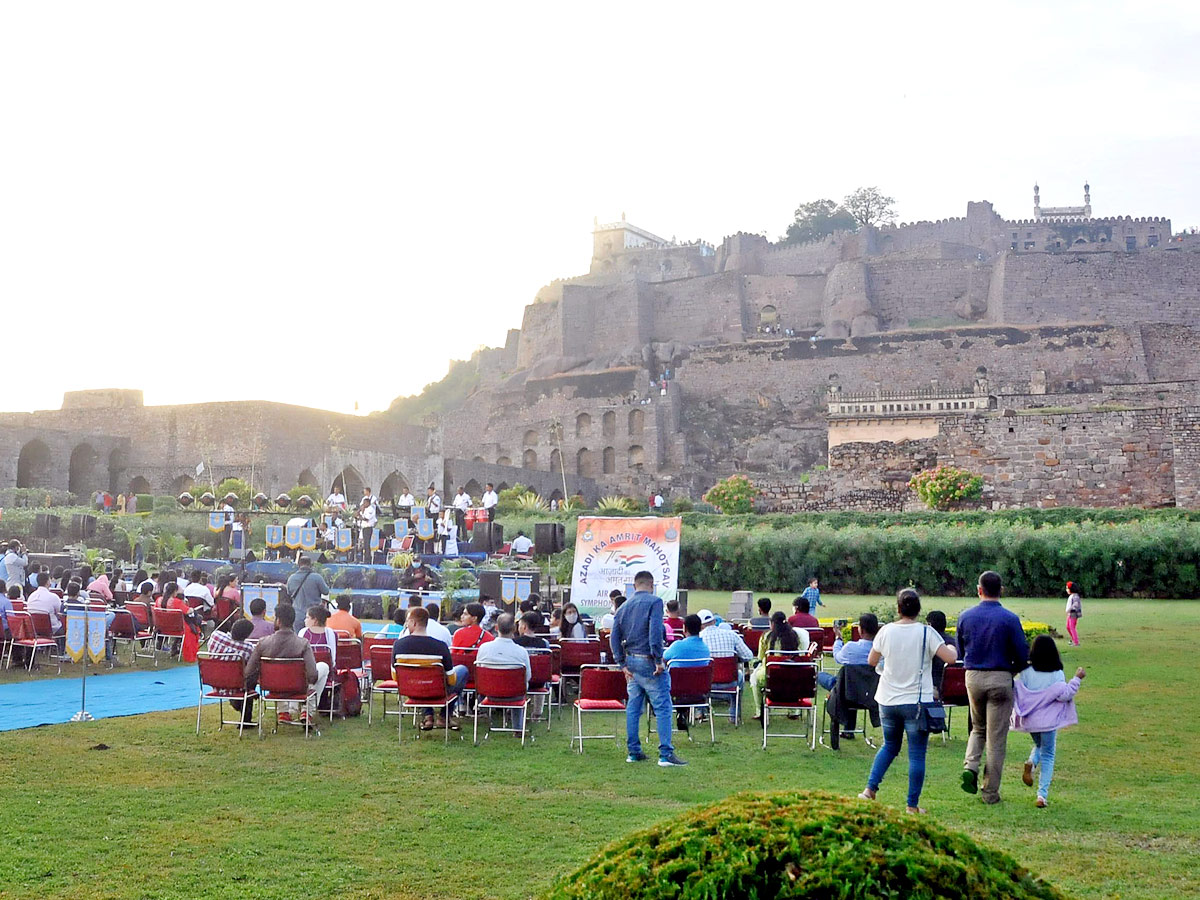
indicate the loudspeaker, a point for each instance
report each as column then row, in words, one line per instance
column 560, row 537
column 83, row 526
column 485, row 539
column 45, row 526
column 489, row 584
column 544, row 538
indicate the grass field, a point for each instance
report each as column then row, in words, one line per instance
column 164, row 814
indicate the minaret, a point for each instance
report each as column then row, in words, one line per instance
column 1037, row 202
column 1087, row 200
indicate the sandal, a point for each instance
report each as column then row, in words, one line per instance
column 867, row 794
column 915, row 810
column 427, row 723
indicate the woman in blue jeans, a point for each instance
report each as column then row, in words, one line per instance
column 907, row 648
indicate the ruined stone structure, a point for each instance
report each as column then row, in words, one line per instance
column 672, row 364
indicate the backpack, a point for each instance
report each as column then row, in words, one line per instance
column 351, row 697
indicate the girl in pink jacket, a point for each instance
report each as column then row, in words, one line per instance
column 1044, row 702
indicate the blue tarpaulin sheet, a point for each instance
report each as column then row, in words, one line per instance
column 54, row 700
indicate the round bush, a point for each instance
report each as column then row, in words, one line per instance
column 806, row 845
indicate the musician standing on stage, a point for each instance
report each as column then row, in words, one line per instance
column 490, row 499
column 368, row 516
column 433, row 503
column 462, row 502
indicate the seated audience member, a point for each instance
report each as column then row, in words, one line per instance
column 228, row 641
column 533, row 601
column 781, row 638
column 936, row 619
column 343, row 620
column 691, row 650
column 418, row 643
column 856, row 652
column 490, row 612
column 470, row 634
column 171, row 599
column 504, row 651
column 722, row 640
column 100, row 587
column 672, row 617
column 260, row 626
column 227, row 598
column 528, row 627
column 6, row 606
column 284, row 643
column 43, row 600
column 615, row 598
column 801, row 618
column 556, row 623
column 394, row 628
column 521, row 544
column 418, row 576
column 56, row 575
column 572, row 626
column 762, row 622
column 318, row 633
column 196, row 590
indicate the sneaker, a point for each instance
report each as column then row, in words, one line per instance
column 847, row 735
column 285, row 717
column 970, row 781
column 1042, row 802
column 1027, row 774
column 681, row 722
column 669, row 761
column 636, row 757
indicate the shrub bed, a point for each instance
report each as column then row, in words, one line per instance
column 800, row 845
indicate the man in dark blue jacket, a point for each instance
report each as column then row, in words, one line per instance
column 992, row 646
column 637, row 647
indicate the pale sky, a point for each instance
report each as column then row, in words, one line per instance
column 223, row 201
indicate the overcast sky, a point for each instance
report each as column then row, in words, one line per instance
column 225, row 201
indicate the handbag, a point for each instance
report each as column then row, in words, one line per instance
column 931, row 714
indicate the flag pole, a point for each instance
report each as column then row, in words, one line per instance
column 83, row 715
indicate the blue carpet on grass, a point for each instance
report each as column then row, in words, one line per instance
column 51, row 701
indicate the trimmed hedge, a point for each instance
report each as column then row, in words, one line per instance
column 1149, row 558
column 800, row 845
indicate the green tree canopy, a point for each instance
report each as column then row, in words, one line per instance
column 869, row 206
column 817, row 219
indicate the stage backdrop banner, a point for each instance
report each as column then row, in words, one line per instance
column 609, row 552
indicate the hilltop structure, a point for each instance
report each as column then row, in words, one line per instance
column 1055, row 355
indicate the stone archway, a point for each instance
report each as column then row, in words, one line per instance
column 609, row 464
column 81, row 477
column 474, row 488
column 529, row 460
column 503, row 461
column 608, row 424
column 116, row 468
column 556, row 463
column 307, row 478
column 139, row 484
column 637, row 456
column 393, row 486
column 583, row 425
column 350, row 483
column 33, row 465
column 637, row 422
column 585, row 462
column 181, row 484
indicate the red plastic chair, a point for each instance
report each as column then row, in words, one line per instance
column 322, row 653
column 577, row 653
column 285, row 681
column 383, row 681
column 541, row 679
column 690, row 686
column 168, row 626
column 125, row 630
column 556, row 672
column 226, row 679
column 752, row 636
column 368, row 643
column 500, row 687
column 44, row 631
column 601, row 689
column 792, row 688
column 421, row 685
column 350, row 660
column 725, row 681
column 465, row 656
column 25, row 635
column 855, row 632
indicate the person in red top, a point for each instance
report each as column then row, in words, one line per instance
column 673, row 618
column 170, row 599
column 802, row 618
column 470, row 634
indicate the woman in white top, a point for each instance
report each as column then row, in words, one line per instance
column 906, row 677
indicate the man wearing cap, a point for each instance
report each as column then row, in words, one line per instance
column 724, row 642
column 637, row 646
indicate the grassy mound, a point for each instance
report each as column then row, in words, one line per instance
column 800, row 845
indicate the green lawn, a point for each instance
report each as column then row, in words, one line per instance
column 162, row 813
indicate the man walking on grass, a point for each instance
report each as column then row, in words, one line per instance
column 637, row 647
column 992, row 645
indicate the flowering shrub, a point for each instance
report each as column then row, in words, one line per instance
column 733, row 495
column 944, row 486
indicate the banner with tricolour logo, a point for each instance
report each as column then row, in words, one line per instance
column 610, row 551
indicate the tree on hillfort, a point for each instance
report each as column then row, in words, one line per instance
column 869, row 206
column 817, row 219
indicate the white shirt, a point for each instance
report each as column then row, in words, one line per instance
column 462, row 501
column 504, row 651
column 200, row 592
column 336, row 499
column 406, row 500
column 903, row 668
column 434, row 504
column 490, row 499
column 658, row 501
column 434, row 630
column 228, row 510
column 368, row 517
column 521, row 544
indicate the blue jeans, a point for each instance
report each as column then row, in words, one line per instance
column 452, row 690
column 645, row 685
column 898, row 721
column 827, row 681
column 1043, row 756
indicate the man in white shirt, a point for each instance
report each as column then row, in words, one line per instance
column 462, row 502
column 724, row 642
column 336, row 499
column 521, row 544
column 45, row 600
column 490, row 499
column 505, row 651
column 406, row 499
column 196, row 591
column 433, row 502
column 368, row 516
column 658, row 500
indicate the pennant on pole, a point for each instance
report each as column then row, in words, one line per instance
column 308, row 538
column 274, row 536
column 508, row 588
column 345, row 539
column 216, row 521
